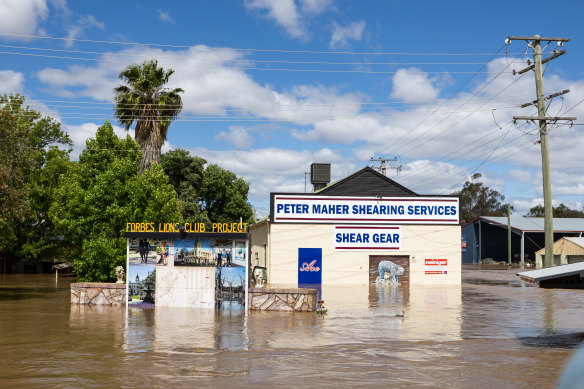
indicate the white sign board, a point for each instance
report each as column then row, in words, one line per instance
column 365, row 238
column 435, row 266
column 364, row 210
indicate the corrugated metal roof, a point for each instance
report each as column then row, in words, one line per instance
column 553, row 272
column 566, row 245
column 536, row 224
column 579, row 241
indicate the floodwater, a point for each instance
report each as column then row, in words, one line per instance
column 494, row 331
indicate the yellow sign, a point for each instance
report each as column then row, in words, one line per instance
column 187, row 227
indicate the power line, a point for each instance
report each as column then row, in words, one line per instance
column 241, row 68
column 243, row 49
column 448, row 99
column 239, row 60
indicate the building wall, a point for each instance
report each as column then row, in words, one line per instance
column 258, row 243
column 419, row 242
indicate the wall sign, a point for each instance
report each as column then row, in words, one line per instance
column 309, row 265
column 364, row 238
column 364, row 210
column 436, row 266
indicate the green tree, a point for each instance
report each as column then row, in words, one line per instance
column 224, row 196
column 561, row 210
column 100, row 194
column 145, row 100
column 479, row 200
column 185, row 173
column 31, row 160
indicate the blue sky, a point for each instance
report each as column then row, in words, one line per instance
column 273, row 85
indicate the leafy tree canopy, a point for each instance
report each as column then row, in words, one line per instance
column 479, row 200
column 559, row 211
column 206, row 194
column 224, row 196
column 101, row 193
column 31, row 159
column 185, row 173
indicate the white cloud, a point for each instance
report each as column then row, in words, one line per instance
column 284, row 12
column 343, row 34
column 520, row 175
column 292, row 16
column 237, row 136
column 275, row 169
column 164, row 16
column 316, row 6
column 11, row 82
column 413, row 86
column 23, row 16
column 78, row 30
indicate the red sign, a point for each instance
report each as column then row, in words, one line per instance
column 435, row 266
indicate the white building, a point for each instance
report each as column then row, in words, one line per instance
column 339, row 234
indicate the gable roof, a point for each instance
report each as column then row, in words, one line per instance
column 366, row 182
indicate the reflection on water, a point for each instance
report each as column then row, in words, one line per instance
column 491, row 331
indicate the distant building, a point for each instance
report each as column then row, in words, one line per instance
column 486, row 237
column 566, row 251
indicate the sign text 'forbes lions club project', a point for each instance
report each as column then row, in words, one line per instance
column 362, row 210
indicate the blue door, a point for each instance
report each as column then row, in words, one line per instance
column 309, row 266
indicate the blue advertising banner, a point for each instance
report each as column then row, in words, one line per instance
column 309, row 266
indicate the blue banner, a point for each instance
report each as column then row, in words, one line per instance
column 309, row 266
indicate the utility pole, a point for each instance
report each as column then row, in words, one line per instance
column 383, row 168
column 509, row 233
column 535, row 43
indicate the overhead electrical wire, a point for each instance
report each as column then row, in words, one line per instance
column 218, row 59
column 243, row 68
column 243, row 49
column 448, row 99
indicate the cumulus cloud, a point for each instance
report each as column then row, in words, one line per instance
column 77, row 30
column 275, row 169
column 164, row 16
column 342, row 35
column 316, row 6
column 413, row 86
column 11, row 82
column 237, row 136
column 289, row 14
column 520, row 175
column 283, row 12
column 23, row 16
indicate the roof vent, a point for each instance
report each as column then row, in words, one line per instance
column 320, row 175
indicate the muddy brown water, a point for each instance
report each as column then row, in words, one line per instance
column 494, row 331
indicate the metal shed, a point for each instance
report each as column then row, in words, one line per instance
column 566, row 250
column 486, row 237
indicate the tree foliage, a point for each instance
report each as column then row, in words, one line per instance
column 101, row 193
column 207, row 194
column 145, row 100
column 224, row 196
column 31, row 160
column 185, row 173
column 477, row 200
column 560, row 211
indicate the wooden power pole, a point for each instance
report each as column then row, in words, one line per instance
column 535, row 43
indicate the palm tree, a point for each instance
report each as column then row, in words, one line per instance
column 144, row 99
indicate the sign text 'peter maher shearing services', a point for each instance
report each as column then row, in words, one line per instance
column 395, row 210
